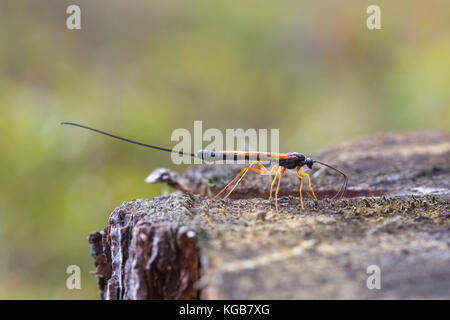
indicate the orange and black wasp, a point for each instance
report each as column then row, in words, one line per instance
column 282, row 162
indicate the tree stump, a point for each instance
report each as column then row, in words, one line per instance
column 394, row 216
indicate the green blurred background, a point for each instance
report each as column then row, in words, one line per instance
column 144, row 68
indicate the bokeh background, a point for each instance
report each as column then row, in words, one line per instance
column 144, row 68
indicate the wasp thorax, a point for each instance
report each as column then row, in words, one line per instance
column 299, row 156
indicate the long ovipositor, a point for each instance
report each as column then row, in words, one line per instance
column 207, row 155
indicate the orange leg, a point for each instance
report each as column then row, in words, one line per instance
column 301, row 187
column 263, row 171
column 281, row 171
column 241, row 176
column 226, row 187
column 300, row 176
column 237, row 183
column 310, row 186
column 273, row 183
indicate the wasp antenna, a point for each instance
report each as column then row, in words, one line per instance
column 127, row 140
column 343, row 188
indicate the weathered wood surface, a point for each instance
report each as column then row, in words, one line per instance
column 395, row 216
